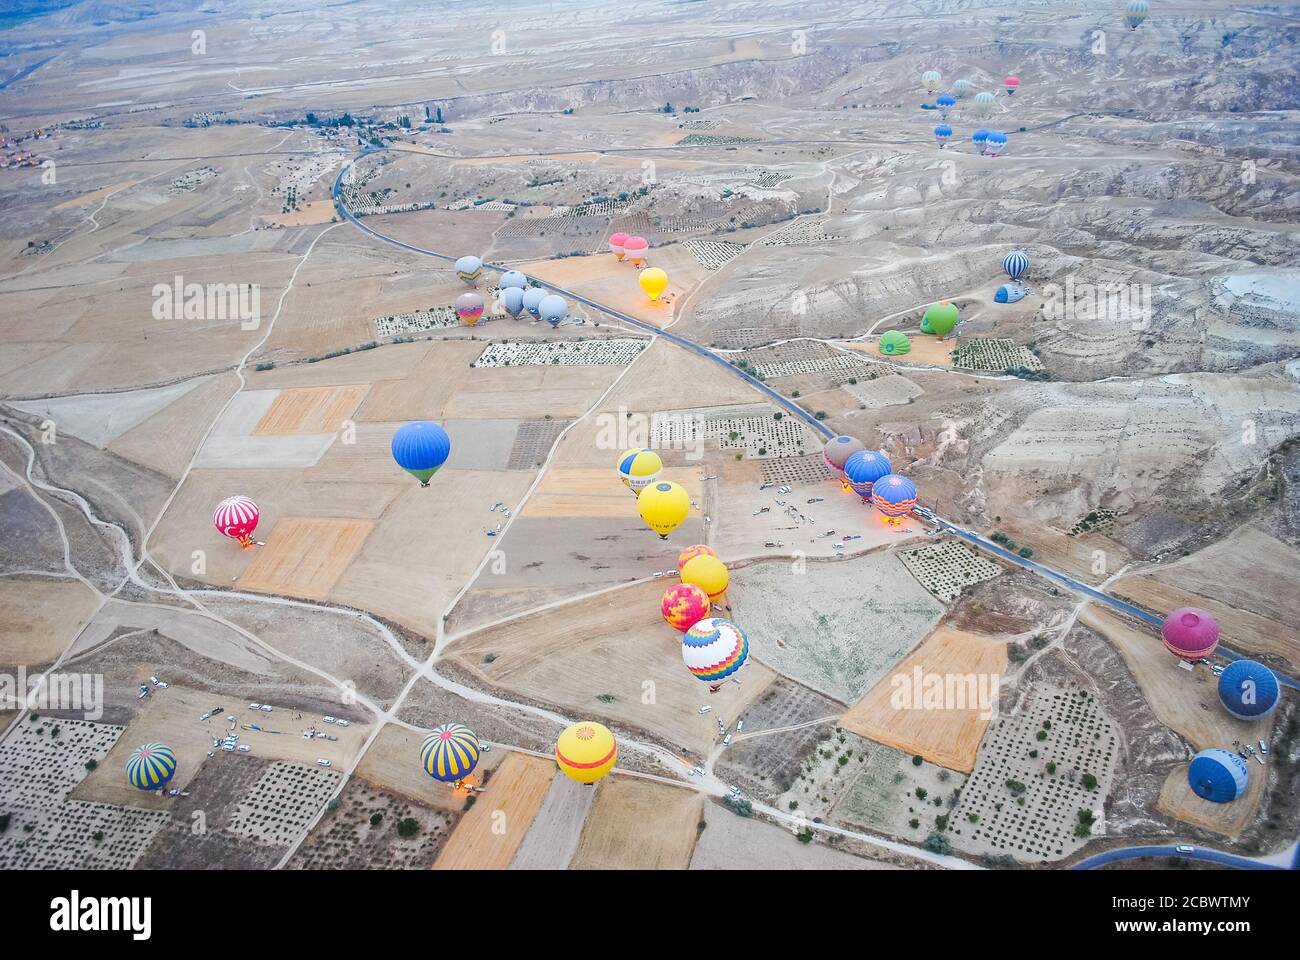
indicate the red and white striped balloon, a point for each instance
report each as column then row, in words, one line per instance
column 236, row 518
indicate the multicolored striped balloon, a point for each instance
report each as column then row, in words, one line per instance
column 693, row 551
column 151, row 766
column 236, row 517
column 684, row 605
column 450, row 753
column 714, row 649
column 893, row 496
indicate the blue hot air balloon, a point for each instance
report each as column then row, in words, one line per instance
column 980, row 138
column 533, row 298
column 942, row 132
column 450, row 753
column 1248, row 689
column 996, row 141
column 1015, row 264
column 863, row 469
column 512, row 300
column 151, row 766
column 1009, row 293
column 1218, row 775
column 553, row 309
column 894, row 496
column 420, row 448
column 513, row 278
column 946, row 102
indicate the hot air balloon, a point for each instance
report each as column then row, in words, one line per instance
column 616, row 245
column 654, row 282
column 1015, row 264
column 420, row 448
column 893, row 496
column 693, row 551
column 941, row 133
column 863, row 469
column 1248, row 689
column 962, row 87
column 586, row 751
column 635, row 248
column 940, row 318
column 663, row 506
column 513, row 278
column 684, row 605
column 469, row 269
column 1012, row 84
column 1137, row 12
column 980, row 138
column 714, row 649
column 984, row 104
column 1190, row 634
column 946, row 102
column 512, row 300
column 533, row 298
column 469, row 307
column 236, row 517
column 450, row 753
column 930, row 80
column 893, row 343
column 997, row 140
column 710, row 575
column 151, row 766
column 553, row 309
column 639, row 468
column 1218, row 775
column 836, row 453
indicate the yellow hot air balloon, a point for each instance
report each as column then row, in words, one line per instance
column 663, row 506
column 586, row 751
column 654, row 282
column 710, row 574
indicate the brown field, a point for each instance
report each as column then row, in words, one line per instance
column 612, row 643
column 41, row 618
column 312, row 212
column 949, row 738
column 171, row 716
column 512, row 799
column 527, row 392
column 926, row 351
column 615, row 284
column 167, row 440
column 1256, row 614
column 305, row 556
column 590, row 492
column 639, row 825
column 100, row 194
column 1185, row 702
column 310, row 410
column 423, row 391
column 1229, row 819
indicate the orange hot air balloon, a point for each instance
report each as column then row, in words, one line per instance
column 691, row 552
column 635, row 248
column 684, row 605
column 710, row 574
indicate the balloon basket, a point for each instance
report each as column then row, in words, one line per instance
column 246, row 542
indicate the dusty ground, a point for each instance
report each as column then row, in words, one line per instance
column 639, row 825
column 492, row 829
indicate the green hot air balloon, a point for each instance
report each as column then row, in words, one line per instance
column 894, row 343
column 940, row 319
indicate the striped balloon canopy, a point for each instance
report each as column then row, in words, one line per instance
column 1015, row 263
column 151, row 766
column 469, row 269
column 714, row 649
column 893, row 495
column 863, row 470
column 450, row 753
column 236, row 517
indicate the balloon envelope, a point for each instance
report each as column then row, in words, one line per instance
column 708, row 573
column 653, row 281
column 893, row 495
column 663, row 506
column 586, row 751
column 940, row 318
column 553, row 309
column 533, row 297
column 469, row 269
column 512, row 300
column 1190, row 633
column 420, row 448
column 236, row 517
column 450, row 753
column 1015, row 264
column 863, row 469
column 151, row 766
column 684, row 605
column 469, row 307
column 837, row 451
column 1248, row 689
column 894, row 343
column 513, row 278
column 693, row 551
column 714, row 649
column 639, row 467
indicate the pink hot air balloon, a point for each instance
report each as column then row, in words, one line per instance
column 635, row 248
column 616, row 244
column 236, row 518
column 1012, row 84
column 1190, row 633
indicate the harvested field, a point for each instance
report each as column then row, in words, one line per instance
column 1227, row 819
column 305, row 556
column 511, row 801
column 41, row 618
column 639, row 825
column 947, row 567
column 557, row 828
column 966, row 668
column 310, row 410
column 569, row 492
column 729, row 842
